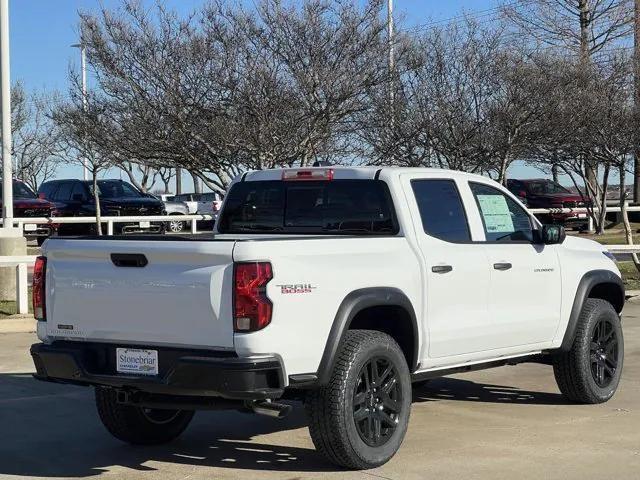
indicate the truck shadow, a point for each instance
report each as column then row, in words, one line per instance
column 53, row 431
column 449, row 388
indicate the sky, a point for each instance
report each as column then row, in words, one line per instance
column 42, row 32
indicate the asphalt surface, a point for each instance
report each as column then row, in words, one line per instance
column 509, row 422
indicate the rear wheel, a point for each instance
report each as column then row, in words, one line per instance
column 137, row 425
column 590, row 371
column 360, row 418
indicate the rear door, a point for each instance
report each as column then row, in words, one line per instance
column 456, row 269
column 525, row 289
column 137, row 292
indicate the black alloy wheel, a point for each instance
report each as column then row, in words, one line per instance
column 377, row 401
column 604, row 353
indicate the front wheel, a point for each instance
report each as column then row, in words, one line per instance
column 137, row 425
column 360, row 418
column 591, row 370
column 175, row 226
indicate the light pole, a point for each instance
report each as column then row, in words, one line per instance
column 5, row 92
column 83, row 70
column 11, row 240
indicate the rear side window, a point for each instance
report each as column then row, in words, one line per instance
column 64, row 191
column 503, row 219
column 360, row 207
column 441, row 210
column 47, row 189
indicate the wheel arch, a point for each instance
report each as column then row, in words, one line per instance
column 603, row 284
column 363, row 308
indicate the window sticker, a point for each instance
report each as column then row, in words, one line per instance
column 496, row 214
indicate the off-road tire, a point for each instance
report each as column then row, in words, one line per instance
column 573, row 369
column 134, row 425
column 330, row 408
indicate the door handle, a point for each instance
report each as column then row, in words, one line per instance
column 136, row 260
column 441, row 268
column 502, row 266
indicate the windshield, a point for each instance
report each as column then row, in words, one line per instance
column 117, row 189
column 310, row 207
column 20, row 190
column 545, row 187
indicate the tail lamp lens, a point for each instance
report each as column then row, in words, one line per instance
column 252, row 309
column 38, row 290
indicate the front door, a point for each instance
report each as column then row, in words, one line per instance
column 525, row 289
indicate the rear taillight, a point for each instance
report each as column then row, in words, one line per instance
column 251, row 307
column 38, row 290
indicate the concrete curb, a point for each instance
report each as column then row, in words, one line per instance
column 18, row 324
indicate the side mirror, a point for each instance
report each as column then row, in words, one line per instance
column 552, row 234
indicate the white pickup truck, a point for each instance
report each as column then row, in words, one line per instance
column 336, row 286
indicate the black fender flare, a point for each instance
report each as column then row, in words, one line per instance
column 586, row 285
column 354, row 303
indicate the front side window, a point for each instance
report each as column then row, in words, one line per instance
column 117, row 189
column 441, row 210
column 20, row 190
column 503, row 219
column 545, row 187
column 310, row 207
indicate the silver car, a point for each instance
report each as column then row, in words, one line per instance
column 174, row 207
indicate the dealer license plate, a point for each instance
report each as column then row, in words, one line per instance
column 137, row 361
column 145, row 224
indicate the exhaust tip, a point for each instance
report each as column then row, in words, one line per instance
column 270, row 408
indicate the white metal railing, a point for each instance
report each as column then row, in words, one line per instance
column 20, row 262
column 111, row 220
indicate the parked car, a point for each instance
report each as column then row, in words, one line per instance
column 336, row 286
column 545, row 193
column 174, row 207
column 207, row 203
column 27, row 204
column 74, row 198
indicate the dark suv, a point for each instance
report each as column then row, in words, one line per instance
column 74, row 198
column 27, row 204
column 545, row 193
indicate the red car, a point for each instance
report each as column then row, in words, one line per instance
column 27, row 204
column 545, row 193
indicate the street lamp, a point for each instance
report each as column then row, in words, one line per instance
column 5, row 92
column 83, row 69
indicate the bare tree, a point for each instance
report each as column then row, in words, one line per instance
column 76, row 125
column 141, row 175
column 583, row 26
column 34, row 148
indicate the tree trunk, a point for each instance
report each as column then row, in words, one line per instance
column 178, row 180
column 623, row 207
column 583, row 6
column 197, row 188
column 602, row 213
column 636, row 102
column 554, row 169
column 96, row 198
column 502, row 175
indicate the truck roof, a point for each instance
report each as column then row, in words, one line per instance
column 357, row 173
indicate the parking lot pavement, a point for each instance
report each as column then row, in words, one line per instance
column 509, row 422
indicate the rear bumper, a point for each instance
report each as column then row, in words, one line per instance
column 181, row 372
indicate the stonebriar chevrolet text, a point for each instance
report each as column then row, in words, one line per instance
column 336, row 286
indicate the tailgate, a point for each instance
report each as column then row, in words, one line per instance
column 181, row 297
